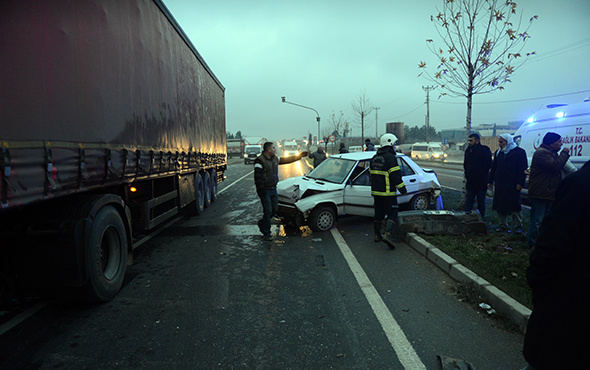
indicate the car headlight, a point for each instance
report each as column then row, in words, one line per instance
column 436, row 155
column 245, row 155
column 445, row 155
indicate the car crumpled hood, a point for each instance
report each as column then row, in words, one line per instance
column 292, row 190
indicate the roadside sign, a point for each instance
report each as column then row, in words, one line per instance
column 332, row 138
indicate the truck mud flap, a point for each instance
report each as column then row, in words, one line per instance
column 440, row 222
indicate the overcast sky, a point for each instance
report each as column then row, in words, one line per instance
column 325, row 54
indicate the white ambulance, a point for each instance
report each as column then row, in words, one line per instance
column 571, row 121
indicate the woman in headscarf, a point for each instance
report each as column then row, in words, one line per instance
column 508, row 176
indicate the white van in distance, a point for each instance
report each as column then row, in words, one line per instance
column 430, row 151
column 571, row 121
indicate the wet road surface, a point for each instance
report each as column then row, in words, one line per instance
column 208, row 292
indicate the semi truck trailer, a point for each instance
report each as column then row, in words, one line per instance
column 111, row 123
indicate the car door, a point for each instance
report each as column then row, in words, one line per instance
column 411, row 180
column 358, row 200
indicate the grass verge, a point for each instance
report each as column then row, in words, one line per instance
column 499, row 257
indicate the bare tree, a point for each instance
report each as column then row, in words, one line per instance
column 483, row 47
column 337, row 122
column 362, row 107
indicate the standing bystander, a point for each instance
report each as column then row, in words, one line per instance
column 318, row 156
column 477, row 164
column 266, row 177
column 508, row 176
column 386, row 179
column 559, row 275
column 342, row 149
column 369, row 147
column 545, row 174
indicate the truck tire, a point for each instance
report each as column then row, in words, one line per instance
column 206, row 188
column 420, row 202
column 199, row 194
column 213, row 184
column 322, row 218
column 105, row 255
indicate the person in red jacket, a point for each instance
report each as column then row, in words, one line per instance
column 545, row 175
column 386, row 180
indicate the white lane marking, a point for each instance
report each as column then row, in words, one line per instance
column 21, row 317
column 448, row 187
column 233, row 183
column 443, row 174
column 402, row 347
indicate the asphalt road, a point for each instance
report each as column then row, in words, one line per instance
column 208, row 293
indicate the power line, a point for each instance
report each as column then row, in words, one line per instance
column 518, row 100
column 412, row 111
column 561, row 50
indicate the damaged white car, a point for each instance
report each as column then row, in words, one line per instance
column 341, row 185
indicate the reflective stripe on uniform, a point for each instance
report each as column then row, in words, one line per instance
column 386, row 174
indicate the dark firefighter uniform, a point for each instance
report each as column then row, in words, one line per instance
column 386, row 181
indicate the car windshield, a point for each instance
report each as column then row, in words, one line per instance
column 334, row 170
column 253, row 150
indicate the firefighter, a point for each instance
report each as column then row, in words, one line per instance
column 386, row 181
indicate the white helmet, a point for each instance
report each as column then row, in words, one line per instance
column 388, row 139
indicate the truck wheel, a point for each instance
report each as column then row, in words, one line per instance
column 322, row 218
column 420, row 202
column 105, row 255
column 199, row 194
column 213, row 185
column 206, row 188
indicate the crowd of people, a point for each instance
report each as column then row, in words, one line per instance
column 559, row 271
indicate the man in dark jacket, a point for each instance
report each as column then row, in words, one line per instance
column 266, row 177
column 386, row 179
column 342, row 149
column 369, row 147
column 477, row 164
column 545, row 175
column 318, row 156
column 559, row 275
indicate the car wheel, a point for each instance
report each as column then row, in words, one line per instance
column 322, row 218
column 420, row 202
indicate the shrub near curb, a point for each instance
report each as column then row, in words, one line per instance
column 499, row 257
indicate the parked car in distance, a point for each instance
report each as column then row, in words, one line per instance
column 355, row 148
column 341, row 185
column 251, row 152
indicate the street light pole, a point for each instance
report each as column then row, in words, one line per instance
column 303, row 106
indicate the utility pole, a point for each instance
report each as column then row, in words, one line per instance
column 376, row 122
column 428, row 89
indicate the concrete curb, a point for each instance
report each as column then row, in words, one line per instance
column 499, row 300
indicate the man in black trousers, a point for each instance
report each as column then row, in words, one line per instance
column 477, row 164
